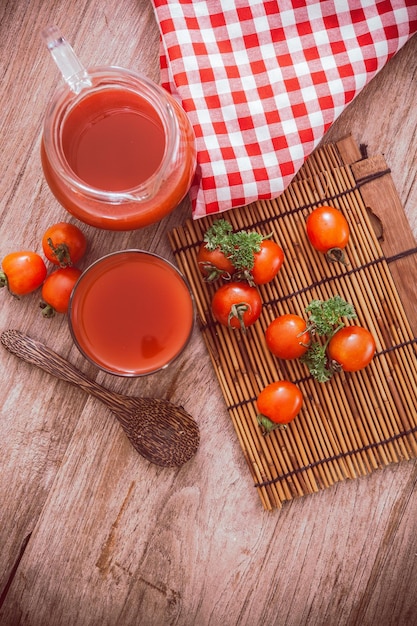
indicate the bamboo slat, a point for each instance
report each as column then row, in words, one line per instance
column 355, row 423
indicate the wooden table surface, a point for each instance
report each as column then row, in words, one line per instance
column 92, row 534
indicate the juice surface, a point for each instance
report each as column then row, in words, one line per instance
column 118, row 156
column 131, row 313
column 113, row 140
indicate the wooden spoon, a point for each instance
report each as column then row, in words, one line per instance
column 161, row 432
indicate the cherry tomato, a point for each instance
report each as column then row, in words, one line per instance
column 267, row 262
column 57, row 289
column 352, row 347
column 214, row 264
column 287, row 336
column 278, row 404
column 327, row 230
column 23, row 272
column 237, row 305
column 64, row 244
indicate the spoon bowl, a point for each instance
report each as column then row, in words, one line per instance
column 163, row 433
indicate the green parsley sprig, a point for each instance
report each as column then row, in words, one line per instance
column 238, row 246
column 325, row 319
column 324, row 315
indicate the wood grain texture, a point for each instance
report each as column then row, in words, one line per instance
column 109, row 539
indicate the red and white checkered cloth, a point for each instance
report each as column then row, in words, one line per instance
column 262, row 81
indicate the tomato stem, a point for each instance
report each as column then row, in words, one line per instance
column 237, row 311
column 330, row 335
column 267, row 425
column 300, row 334
column 47, row 310
column 213, row 273
column 3, row 280
column 5, row 283
column 61, row 253
column 336, row 255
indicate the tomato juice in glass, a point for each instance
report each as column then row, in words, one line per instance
column 131, row 313
column 119, row 154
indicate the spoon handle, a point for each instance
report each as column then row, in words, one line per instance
column 38, row 354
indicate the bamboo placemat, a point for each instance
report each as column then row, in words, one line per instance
column 356, row 422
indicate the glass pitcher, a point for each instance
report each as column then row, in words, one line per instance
column 117, row 150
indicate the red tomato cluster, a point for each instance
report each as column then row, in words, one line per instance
column 24, row 271
column 249, row 262
column 350, row 348
column 267, row 262
column 237, row 304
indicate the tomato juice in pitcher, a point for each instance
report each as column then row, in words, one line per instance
column 113, row 140
column 117, row 150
